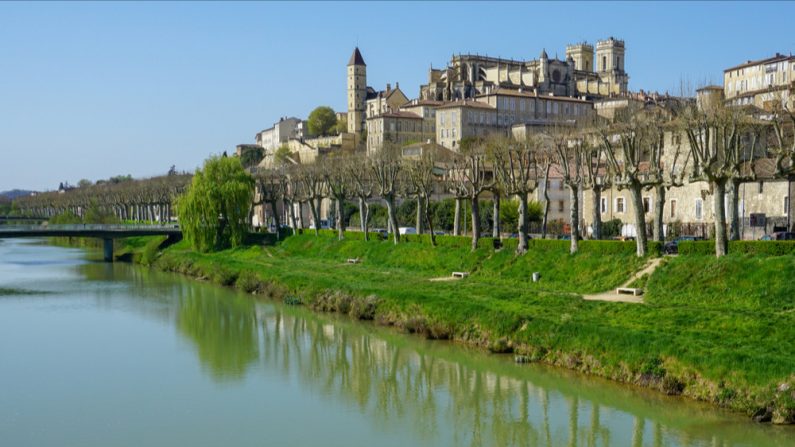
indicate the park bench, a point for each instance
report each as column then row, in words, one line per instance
column 460, row 274
column 629, row 291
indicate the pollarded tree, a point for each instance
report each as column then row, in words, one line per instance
column 385, row 166
column 338, row 182
column 314, row 190
column 516, row 169
column 270, row 187
column 567, row 146
column 720, row 152
column 421, row 176
column 357, row 168
column 471, row 175
column 213, row 212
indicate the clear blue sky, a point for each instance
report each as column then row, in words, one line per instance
column 91, row 90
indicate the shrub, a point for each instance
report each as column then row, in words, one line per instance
column 763, row 248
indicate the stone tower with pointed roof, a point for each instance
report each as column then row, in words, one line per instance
column 357, row 92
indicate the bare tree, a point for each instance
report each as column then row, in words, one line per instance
column 568, row 148
column 471, row 175
column 420, row 175
column 339, row 186
column 314, row 188
column 718, row 153
column 516, row 168
column 385, row 166
column 358, row 170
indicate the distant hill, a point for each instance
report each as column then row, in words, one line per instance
column 14, row 193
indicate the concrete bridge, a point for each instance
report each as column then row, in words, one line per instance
column 105, row 232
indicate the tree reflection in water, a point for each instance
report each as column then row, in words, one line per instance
column 443, row 393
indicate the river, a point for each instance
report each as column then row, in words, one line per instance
column 97, row 354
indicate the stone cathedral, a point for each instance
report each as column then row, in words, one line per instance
column 582, row 74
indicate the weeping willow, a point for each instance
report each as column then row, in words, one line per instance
column 213, row 213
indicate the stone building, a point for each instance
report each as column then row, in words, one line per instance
column 465, row 118
column 467, row 76
column 762, row 82
column 399, row 128
column 285, row 129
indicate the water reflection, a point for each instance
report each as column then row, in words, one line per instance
column 404, row 388
column 444, row 393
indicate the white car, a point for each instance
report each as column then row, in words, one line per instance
column 407, row 230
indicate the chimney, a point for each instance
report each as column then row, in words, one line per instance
column 388, row 87
column 397, row 85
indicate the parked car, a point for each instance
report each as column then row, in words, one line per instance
column 779, row 236
column 672, row 247
column 381, row 232
column 407, row 230
column 323, row 225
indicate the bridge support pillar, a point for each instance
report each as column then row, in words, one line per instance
column 107, row 249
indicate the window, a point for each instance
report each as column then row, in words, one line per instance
column 673, row 208
column 647, row 204
column 619, row 205
column 604, row 63
column 786, row 205
column 699, row 209
column 761, row 187
column 603, row 205
column 560, row 206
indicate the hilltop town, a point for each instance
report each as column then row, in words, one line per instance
column 475, row 96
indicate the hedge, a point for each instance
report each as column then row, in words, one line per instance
column 605, row 247
column 766, row 248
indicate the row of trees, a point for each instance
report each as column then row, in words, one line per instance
column 655, row 147
column 139, row 200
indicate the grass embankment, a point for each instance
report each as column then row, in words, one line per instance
column 719, row 330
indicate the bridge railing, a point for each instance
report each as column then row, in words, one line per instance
column 88, row 227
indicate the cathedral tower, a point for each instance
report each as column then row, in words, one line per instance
column 582, row 54
column 357, row 92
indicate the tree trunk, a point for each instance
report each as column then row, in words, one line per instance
column 315, row 215
column 475, row 222
column 429, row 219
column 390, row 206
column 734, row 210
column 292, row 217
column 340, row 223
column 721, row 243
column 420, row 212
column 495, row 232
column 522, row 247
column 276, row 220
column 363, row 217
column 301, row 214
column 658, row 232
column 457, row 218
column 545, row 219
column 574, row 217
column 596, row 226
column 640, row 219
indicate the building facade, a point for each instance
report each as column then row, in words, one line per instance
column 357, row 92
column 761, row 83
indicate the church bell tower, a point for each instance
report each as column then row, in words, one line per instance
column 357, row 92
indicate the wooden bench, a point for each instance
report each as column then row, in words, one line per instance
column 629, row 291
column 353, row 260
column 460, row 274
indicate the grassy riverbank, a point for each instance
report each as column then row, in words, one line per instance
column 719, row 330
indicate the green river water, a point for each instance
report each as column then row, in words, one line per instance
column 96, row 354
